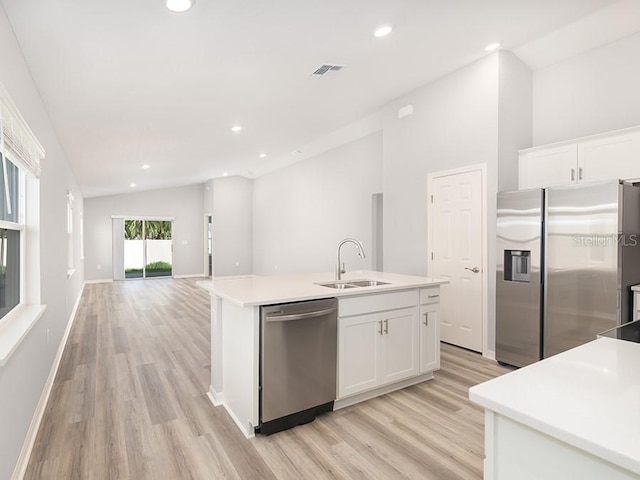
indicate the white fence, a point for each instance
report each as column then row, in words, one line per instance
column 157, row 251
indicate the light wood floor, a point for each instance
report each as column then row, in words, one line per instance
column 129, row 403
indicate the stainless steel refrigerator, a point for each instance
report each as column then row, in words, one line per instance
column 567, row 257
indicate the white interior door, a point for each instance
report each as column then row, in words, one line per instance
column 456, row 252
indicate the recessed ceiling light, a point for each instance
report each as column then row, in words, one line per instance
column 132, row 184
column 263, row 155
column 225, row 174
column 492, row 46
column 236, row 128
column 146, row 166
column 179, row 6
column 382, row 31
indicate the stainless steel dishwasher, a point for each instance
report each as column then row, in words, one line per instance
column 298, row 358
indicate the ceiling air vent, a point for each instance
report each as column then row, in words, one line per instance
column 323, row 70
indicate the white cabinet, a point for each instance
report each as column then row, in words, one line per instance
column 399, row 350
column 376, row 349
column 514, row 450
column 387, row 341
column 358, row 353
column 548, row 167
column 429, row 338
column 429, row 329
column 608, row 156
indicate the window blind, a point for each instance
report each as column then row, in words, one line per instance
column 16, row 138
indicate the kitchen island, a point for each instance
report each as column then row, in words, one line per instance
column 369, row 363
column 575, row 415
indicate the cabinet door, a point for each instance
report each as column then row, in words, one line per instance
column 609, row 158
column 548, row 167
column 429, row 338
column 359, row 340
column 399, row 345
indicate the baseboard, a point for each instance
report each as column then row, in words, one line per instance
column 191, row 275
column 490, row 354
column 247, row 430
column 30, row 439
column 101, row 280
column 214, row 397
column 376, row 392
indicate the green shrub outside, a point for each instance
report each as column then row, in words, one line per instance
column 159, row 266
column 153, row 267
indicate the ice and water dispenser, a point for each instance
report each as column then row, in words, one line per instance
column 517, row 266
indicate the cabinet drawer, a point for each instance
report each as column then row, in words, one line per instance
column 429, row 295
column 376, row 302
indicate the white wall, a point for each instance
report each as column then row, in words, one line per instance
column 23, row 377
column 301, row 212
column 232, row 225
column 455, row 124
column 480, row 114
column 594, row 92
column 515, row 104
column 184, row 204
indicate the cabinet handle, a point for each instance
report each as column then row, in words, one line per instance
column 580, row 173
column 380, row 331
column 426, row 319
column 573, row 174
column 433, row 296
column 386, row 327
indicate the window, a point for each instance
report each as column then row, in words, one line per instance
column 11, row 228
column 20, row 156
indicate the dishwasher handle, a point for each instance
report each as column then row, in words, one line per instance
column 300, row 316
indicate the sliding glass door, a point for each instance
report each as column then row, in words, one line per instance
column 157, row 244
column 147, row 248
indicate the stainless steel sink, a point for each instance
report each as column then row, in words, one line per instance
column 367, row 283
column 352, row 284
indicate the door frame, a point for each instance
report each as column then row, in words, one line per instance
column 482, row 168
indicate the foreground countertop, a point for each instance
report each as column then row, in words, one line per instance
column 250, row 290
column 588, row 397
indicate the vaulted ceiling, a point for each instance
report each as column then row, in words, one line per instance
column 128, row 83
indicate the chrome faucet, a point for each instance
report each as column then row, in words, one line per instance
column 340, row 266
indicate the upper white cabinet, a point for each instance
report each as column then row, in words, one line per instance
column 548, row 167
column 607, row 156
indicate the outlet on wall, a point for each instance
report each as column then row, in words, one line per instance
column 237, row 264
column 99, row 267
column 275, row 267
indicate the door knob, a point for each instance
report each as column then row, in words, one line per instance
column 474, row 269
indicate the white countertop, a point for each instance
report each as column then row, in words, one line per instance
column 588, row 397
column 249, row 290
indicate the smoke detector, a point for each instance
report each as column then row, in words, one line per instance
column 325, row 69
